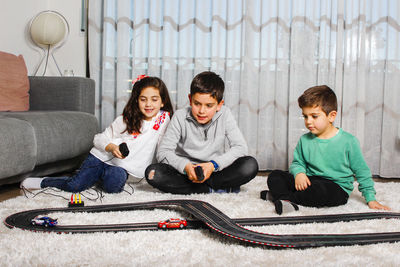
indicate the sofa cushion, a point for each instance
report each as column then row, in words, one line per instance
column 18, row 147
column 60, row 134
column 14, row 83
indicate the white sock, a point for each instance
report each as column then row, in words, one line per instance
column 285, row 206
column 288, row 206
column 31, row 183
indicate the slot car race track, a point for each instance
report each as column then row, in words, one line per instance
column 209, row 216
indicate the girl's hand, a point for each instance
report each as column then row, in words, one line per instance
column 301, row 182
column 114, row 150
column 377, row 206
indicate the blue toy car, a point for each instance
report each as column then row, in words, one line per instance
column 45, row 221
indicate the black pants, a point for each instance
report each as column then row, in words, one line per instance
column 168, row 179
column 322, row 192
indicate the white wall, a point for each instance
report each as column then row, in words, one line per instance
column 15, row 16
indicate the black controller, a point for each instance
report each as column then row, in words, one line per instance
column 123, row 148
column 199, row 173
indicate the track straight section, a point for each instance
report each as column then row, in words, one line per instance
column 208, row 215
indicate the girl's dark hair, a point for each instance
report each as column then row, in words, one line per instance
column 321, row 96
column 132, row 115
column 208, row 82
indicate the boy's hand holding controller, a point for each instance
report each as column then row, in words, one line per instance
column 207, row 167
column 301, row 182
column 190, row 172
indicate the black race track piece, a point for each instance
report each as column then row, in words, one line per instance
column 209, row 216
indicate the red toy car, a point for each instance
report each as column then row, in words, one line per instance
column 172, row 223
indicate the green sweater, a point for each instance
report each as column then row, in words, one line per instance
column 338, row 159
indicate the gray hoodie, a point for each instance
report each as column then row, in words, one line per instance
column 188, row 141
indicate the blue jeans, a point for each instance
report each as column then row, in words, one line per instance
column 93, row 170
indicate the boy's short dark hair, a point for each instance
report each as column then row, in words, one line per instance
column 208, row 82
column 321, row 96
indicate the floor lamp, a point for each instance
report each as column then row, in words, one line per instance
column 49, row 30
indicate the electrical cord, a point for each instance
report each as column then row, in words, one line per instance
column 98, row 195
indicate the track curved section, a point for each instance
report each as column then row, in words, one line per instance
column 208, row 215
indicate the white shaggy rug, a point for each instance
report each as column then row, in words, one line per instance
column 192, row 247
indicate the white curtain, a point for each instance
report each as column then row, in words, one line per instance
column 268, row 53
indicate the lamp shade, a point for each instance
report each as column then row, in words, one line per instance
column 48, row 29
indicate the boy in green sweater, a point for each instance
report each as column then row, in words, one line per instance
column 325, row 162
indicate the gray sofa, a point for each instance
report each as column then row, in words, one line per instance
column 55, row 135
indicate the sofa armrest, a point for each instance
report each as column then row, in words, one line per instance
column 62, row 93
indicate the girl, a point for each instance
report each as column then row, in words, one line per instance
column 141, row 126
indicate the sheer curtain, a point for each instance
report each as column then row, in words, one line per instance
column 268, row 53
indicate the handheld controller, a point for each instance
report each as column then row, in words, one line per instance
column 123, row 148
column 199, row 173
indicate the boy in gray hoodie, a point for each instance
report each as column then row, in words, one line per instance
column 203, row 137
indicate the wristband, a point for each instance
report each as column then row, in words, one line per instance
column 215, row 165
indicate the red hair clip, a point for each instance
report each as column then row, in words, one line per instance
column 139, row 77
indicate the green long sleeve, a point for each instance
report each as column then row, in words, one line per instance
column 338, row 159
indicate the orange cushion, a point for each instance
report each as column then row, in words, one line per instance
column 14, row 83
